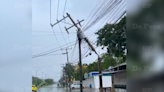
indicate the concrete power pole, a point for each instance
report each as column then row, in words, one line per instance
column 100, row 75
column 80, row 37
column 36, row 76
column 80, row 66
column 63, row 81
column 45, row 76
column 68, row 67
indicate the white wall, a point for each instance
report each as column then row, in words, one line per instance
column 89, row 81
column 106, row 80
column 94, row 81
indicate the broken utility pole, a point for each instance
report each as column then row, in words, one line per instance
column 80, row 37
column 75, row 24
column 80, row 66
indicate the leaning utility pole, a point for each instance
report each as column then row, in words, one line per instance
column 80, row 66
column 80, row 37
column 100, row 75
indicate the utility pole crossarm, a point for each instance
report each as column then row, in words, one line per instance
column 79, row 22
column 72, row 20
column 74, row 25
column 58, row 21
column 66, row 53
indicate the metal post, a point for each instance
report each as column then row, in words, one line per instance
column 112, row 88
column 42, row 75
column 36, row 78
column 68, row 67
column 80, row 65
column 100, row 75
column 63, row 79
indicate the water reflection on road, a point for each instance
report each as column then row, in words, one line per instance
column 53, row 88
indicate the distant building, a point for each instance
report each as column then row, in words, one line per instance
column 92, row 79
column 112, row 77
column 118, row 74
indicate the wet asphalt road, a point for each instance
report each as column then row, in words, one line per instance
column 53, row 88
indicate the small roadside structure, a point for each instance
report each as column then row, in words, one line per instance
column 118, row 74
column 92, row 80
column 113, row 77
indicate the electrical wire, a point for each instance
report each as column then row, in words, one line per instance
column 104, row 11
column 50, row 11
column 54, row 49
column 73, row 51
column 113, row 13
column 94, row 13
column 62, row 33
column 57, row 9
column 51, row 45
column 35, row 56
column 101, row 7
column 56, row 37
column 55, row 32
column 102, row 14
column 46, row 35
column 116, row 22
column 43, row 54
column 64, row 7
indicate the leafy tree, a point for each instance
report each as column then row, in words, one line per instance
column 77, row 71
column 92, row 67
column 49, row 81
column 113, row 36
column 107, row 61
column 36, row 79
column 69, row 70
column 39, row 81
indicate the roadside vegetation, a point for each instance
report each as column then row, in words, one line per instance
column 42, row 83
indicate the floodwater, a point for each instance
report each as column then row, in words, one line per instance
column 53, row 88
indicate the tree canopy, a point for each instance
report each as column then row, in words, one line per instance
column 113, row 36
column 39, row 81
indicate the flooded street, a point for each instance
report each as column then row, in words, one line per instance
column 53, row 88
